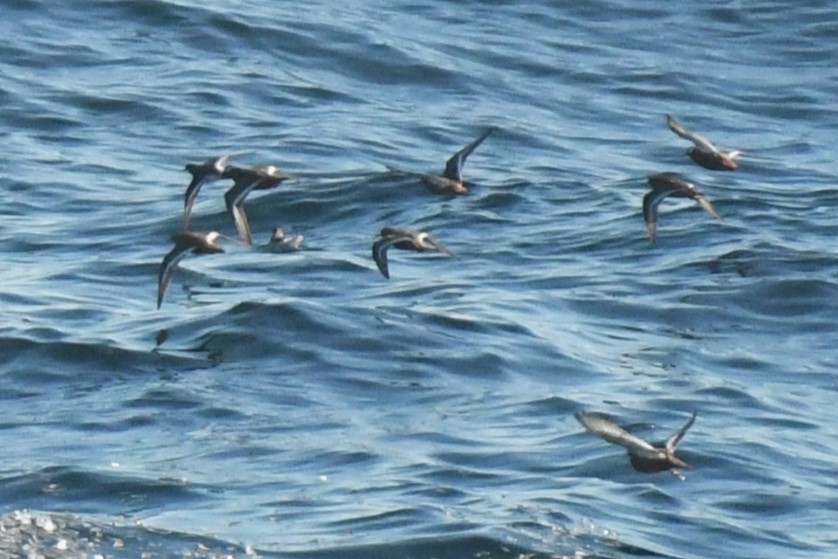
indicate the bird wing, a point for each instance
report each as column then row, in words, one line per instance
column 198, row 180
column 201, row 174
column 437, row 245
column 379, row 253
column 167, row 269
column 651, row 201
column 454, row 166
column 242, row 186
column 700, row 141
column 672, row 441
column 613, row 433
column 242, row 225
column 707, row 206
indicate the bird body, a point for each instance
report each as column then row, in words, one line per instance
column 185, row 242
column 245, row 181
column 644, row 456
column 402, row 239
column 670, row 185
column 703, row 152
column 451, row 180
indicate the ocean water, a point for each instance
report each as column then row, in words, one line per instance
column 301, row 405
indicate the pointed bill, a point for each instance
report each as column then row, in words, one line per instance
column 443, row 185
column 439, row 247
column 708, row 207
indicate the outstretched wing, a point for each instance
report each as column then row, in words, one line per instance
column 707, row 206
column 242, row 225
column 167, row 269
column 208, row 171
column 379, row 253
column 454, row 166
column 651, row 201
column 242, row 186
column 701, row 142
column 199, row 179
column 672, row 442
column 613, row 433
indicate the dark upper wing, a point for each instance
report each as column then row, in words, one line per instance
column 167, row 269
column 613, row 433
column 437, row 245
column 454, row 166
column 675, row 438
column 242, row 186
column 198, row 180
column 700, row 141
column 379, row 253
column 242, row 224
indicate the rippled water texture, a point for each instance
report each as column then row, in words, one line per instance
column 301, row 405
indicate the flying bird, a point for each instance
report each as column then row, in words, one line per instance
column 246, row 180
column 670, row 184
column 185, row 242
column 402, row 239
column 703, row 152
column 644, row 456
column 451, row 180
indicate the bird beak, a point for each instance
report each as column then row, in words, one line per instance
column 677, row 462
column 440, row 247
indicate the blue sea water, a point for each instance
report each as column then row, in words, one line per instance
column 301, row 405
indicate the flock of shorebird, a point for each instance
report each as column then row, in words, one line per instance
column 644, row 456
column 657, row 457
column 246, row 180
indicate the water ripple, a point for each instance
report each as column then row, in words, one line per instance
column 431, row 414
